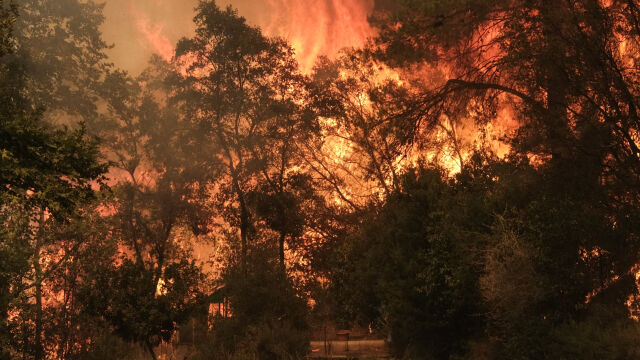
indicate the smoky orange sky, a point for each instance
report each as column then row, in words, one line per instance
column 139, row 28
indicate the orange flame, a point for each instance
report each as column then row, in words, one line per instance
column 318, row 27
column 313, row 27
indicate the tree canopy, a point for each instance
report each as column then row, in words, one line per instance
column 465, row 186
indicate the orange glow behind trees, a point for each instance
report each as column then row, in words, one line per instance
column 316, row 28
column 463, row 175
column 313, row 28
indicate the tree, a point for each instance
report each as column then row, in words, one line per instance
column 242, row 98
column 409, row 271
column 151, row 284
column 60, row 58
column 574, row 90
column 269, row 314
column 361, row 147
column 45, row 172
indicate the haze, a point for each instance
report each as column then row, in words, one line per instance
column 139, row 28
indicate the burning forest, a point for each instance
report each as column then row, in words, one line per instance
column 297, row 179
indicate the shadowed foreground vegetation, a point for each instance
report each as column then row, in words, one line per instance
column 467, row 186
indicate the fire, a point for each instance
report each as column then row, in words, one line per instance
column 321, row 27
column 313, row 28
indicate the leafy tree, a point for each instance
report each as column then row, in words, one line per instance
column 242, row 95
column 269, row 315
column 59, row 57
column 45, row 172
column 409, row 270
column 575, row 96
column 361, row 147
column 46, row 316
column 151, row 284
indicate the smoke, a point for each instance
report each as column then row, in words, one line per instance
column 139, row 28
column 153, row 33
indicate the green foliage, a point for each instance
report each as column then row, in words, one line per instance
column 139, row 311
column 57, row 166
column 107, row 347
column 603, row 334
column 44, row 169
column 60, row 57
column 533, row 256
column 561, row 249
column 243, row 116
column 268, row 316
column 410, row 271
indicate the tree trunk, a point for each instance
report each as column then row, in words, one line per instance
column 39, row 348
column 244, row 228
column 555, row 84
column 5, row 295
column 244, row 219
column 150, row 348
column 281, row 249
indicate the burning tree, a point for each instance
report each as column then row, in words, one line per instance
column 243, row 98
column 569, row 182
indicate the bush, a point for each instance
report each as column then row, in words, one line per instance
column 268, row 321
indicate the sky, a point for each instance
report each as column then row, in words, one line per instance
column 139, row 28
